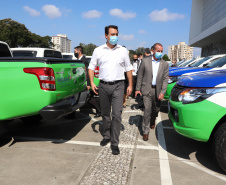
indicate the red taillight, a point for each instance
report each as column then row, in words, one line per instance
column 45, row 77
column 96, row 72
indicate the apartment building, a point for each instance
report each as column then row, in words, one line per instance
column 181, row 51
column 208, row 26
column 62, row 43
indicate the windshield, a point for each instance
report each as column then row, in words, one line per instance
column 24, row 53
column 181, row 63
column 217, row 63
column 185, row 63
column 67, row 56
column 52, row 53
column 196, row 64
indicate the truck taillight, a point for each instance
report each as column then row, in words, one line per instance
column 45, row 77
column 96, row 72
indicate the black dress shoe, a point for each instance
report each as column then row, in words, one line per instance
column 97, row 115
column 115, row 150
column 104, row 142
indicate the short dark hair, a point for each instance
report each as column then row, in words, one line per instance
column 147, row 50
column 110, row 26
column 157, row 44
column 152, row 47
column 80, row 48
column 139, row 54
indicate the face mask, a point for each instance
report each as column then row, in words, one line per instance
column 76, row 55
column 134, row 60
column 152, row 53
column 158, row 55
column 113, row 40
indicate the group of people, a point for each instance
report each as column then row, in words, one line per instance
column 147, row 76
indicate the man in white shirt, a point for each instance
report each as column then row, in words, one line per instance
column 113, row 61
column 134, row 73
column 152, row 81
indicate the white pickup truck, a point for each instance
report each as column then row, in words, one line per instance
column 36, row 52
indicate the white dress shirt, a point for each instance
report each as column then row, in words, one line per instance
column 135, row 68
column 155, row 68
column 80, row 57
column 112, row 62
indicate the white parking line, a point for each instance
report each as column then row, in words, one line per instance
column 186, row 161
column 163, row 155
column 82, row 142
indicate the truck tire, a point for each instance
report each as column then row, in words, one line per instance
column 32, row 120
column 219, row 146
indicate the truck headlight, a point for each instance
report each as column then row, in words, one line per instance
column 173, row 79
column 192, row 95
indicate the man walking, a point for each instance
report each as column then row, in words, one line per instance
column 147, row 52
column 113, row 61
column 152, row 81
column 95, row 102
column 134, row 73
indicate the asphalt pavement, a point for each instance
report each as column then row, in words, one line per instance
column 67, row 151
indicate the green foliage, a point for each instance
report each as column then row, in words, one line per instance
column 165, row 57
column 131, row 53
column 88, row 48
column 140, row 50
column 17, row 35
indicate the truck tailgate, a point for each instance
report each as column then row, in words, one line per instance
column 70, row 79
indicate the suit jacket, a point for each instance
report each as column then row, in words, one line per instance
column 145, row 75
column 86, row 65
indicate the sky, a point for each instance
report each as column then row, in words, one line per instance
column 141, row 23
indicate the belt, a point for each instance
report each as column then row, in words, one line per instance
column 111, row 83
column 153, row 86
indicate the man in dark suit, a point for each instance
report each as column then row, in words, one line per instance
column 94, row 101
column 152, row 81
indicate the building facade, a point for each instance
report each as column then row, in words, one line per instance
column 208, row 26
column 62, row 43
column 181, row 51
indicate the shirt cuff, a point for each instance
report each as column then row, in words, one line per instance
column 130, row 68
column 92, row 68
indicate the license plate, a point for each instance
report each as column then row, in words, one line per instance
column 168, row 106
column 72, row 99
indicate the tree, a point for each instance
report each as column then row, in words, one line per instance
column 140, row 50
column 165, row 57
column 88, row 48
column 131, row 53
column 17, row 35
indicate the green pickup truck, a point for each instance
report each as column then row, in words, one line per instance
column 46, row 87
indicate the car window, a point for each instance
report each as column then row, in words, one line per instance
column 181, row 63
column 24, row 53
column 185, row 63
column 4, row 51
column 67, row 56
column 196, row 64
column 217, row 63
column 52, row 53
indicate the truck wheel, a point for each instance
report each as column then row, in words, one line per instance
column 219, row 146
column 32, row 120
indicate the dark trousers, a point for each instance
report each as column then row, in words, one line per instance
column 151, row 110
column 134, row 86
column 111, row 96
